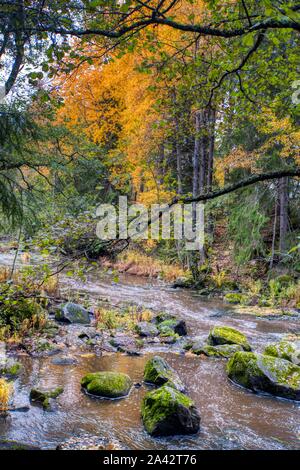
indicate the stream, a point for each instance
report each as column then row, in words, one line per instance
column 231, row 417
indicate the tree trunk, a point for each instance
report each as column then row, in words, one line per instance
column 211, row 148
column 274, row 229
column 203, row 151
column 283, row 215
column 178, row 158
column 196, row 156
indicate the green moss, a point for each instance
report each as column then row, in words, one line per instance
column 107, row 384
column 226, row 335
column 224, row 350
column 10, row 368
column 158, row 372
column 264, row 373
column 284, row 350
column 44, row 396
column 162, row 409
column 235, row 298
column 162, row 317
column 284, row 280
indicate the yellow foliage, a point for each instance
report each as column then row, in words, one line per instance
column 5, row 394
column 114, row 103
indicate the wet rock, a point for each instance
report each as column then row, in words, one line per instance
column 262, row 373
column 183, row 283
column 146, row 329
column 129, row 351
column 161, row 317
column 285, row 350
column 64, row 361
column 225, row 335
column 158, row 372
column 44, row 397
column 169, row 338
column 6, row 444
column 224, row 350
column 72, row 313
column 167, row 411
column 125, row 344
column 10, row 368
column 107, row 384
column 83, row 335
column 172, row 326
column 89, row 333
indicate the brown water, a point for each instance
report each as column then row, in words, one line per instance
column 231, row 417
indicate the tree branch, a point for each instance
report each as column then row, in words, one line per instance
column 273, row 175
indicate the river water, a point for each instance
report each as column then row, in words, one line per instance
column 231, row 417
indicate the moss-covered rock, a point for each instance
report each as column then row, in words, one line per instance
column 146, row 329
column 167, row 411
column 158, row 372
column 172, row 326
column 226, row 335
column 44, row 396
column 163, row 316
column 224, row 350
column 107, row 384
column 72, row 313
column 285, row 350
column 262, row 373
column 10, row 368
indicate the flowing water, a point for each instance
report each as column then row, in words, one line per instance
column 231, row 417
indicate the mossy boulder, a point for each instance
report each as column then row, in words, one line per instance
column 167, row 411
column 44, row 396
column 224, row 350
column 146, row 329
column 261, row 373
column 72, row 313
column 10, row 368
column 158, row 372
column 107, row 384
column 171, row 327
column 225, row 335
column 285, row 350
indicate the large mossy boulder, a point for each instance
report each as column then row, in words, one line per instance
column 226, row 335
column 146, row 329
column 223, row 350
column 285, row 350
column 107, row 384
column 262, row 373
column 158, row 372
column 73, row 313
column 167, row 411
